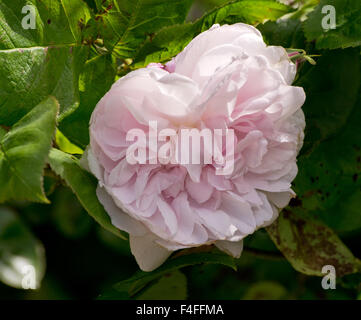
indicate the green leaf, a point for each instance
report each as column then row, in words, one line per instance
column 20, row 252
column 132, row 286
column 171, row 40
column 58, row 22
column 101, row 4
column 125, row 24
column 96, row 79
column 309, row 245
column 35, row 63
column 29, row 75
column 77, row 14
column 23, row 153
column 83, row 184
column 172, row 286
column 65, row 145
column 348, row 25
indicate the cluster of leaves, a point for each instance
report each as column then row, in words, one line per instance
column 52, row 77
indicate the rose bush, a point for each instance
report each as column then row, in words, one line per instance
column 226, row 78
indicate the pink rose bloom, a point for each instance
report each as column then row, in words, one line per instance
column 226, row 78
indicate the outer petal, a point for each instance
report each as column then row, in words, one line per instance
column 149, row 255
column 243, row 38
column 186, row 61
column 232, row 248
column 280, row 199
column 90, row 163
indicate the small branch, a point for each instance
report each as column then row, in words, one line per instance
column 264, row 254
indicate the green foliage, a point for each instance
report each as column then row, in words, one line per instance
column 125, row 24
column 23, row 153
column 19, row 249
column 35, row 63
column 171, row 40
column 31, row 74
column 348, row 25
column 58, row 23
